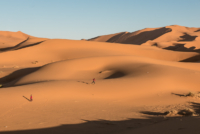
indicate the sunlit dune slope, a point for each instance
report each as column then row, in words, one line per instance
column 56, row 50
column 174, row 37
column 114, row 67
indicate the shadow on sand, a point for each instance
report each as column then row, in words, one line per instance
column 117, row 74
column 192, row 59
column 17, row 74
column 187, row 37
column 83, row 82
column 180, row 95
column 26, row 98
column 160, row 123
column 18, row 46
column 153, row 113
column 182, row 48
column 138, row 39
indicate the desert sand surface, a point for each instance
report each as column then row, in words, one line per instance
column 146, row 83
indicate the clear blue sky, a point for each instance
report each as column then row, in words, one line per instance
column 77, row 19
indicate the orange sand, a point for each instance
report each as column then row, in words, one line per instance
column 135, row 84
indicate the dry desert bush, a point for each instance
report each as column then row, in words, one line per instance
column 187, row 112
column 184, row 112
column 192, row 94
column 35, row 62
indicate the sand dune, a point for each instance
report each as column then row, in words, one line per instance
column 56, row 50
column 135, row 84
column 16, row 40
column 31, row 41
column 174, row 37
column 102, row 68
column 138, row 37
column 11, row 39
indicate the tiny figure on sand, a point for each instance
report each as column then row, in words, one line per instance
column 31, row 97
column 93, row 80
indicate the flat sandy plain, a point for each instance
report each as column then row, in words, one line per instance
column 142, row 82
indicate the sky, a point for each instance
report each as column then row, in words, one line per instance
column 85, row 19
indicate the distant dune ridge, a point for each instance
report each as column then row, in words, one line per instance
column 174, row 37
column 11, row 39
column 15, row 40
column 140, row 77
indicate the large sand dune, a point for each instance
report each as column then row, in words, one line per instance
column 135, row 84
column 175, row 37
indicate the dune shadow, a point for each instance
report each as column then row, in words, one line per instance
column 131, row 125
column 192, row 59
column 187, row 37
column 197, row 30
column 17, row 74
column 17, row 47
column 92, row 127
column 182, row 48
column 146, row 36
column 34, row 44
column 116, row 74
column 11, row 48
column 136, row 39
column 152, row 113
column 6, row 49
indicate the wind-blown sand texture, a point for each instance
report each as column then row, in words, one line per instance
column 138, row 79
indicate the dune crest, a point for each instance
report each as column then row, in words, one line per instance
column 174, row 37
column 11, row 39
column 15, row 40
